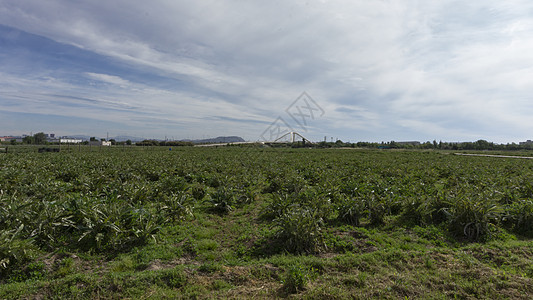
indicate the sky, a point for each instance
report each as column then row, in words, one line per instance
column 358, row 70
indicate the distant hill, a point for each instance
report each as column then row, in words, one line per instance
column 78, row 137
column 123, row 138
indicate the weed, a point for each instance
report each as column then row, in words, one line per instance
column 176, row 206
column 13, row 250
column 296, row 278
column 198, row 192
column 172, row 184
column 350, row 210
column 277, row 206
column 424, row 210
column 207, row 244
column 33, row 271
column 377, row 209
column 223, row 200
column 300, row 230
column 429, row 263
column 210, row 267
column 66, row 267
column 173, row 278
column 432, row 233
column 125, row 263
column 219, row 285
column 473, row 217
column 520, row 216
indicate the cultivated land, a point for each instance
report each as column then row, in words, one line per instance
column 241, row 222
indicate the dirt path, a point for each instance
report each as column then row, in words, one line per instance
column 492, row 155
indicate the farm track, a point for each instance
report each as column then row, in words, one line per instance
column 493, row 155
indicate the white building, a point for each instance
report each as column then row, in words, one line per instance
column 100, row 143
column 69, row 141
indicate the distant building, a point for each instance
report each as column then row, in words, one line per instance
column 10, row 138
column 69, row 141
column 100, row 143
column 528, row 142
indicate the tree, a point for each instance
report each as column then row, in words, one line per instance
column 92, row 139
column 391, row 144
column 28, row 139
column 482, row 145
column 148, row 143
column 128, row 142
column 39, row 138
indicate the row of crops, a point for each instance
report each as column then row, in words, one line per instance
column 109, row 202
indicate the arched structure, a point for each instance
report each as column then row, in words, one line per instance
column 292, row 136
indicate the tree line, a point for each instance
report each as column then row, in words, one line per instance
column 477, row 145
column 41, row 139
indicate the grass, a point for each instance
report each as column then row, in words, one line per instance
column 255, row 223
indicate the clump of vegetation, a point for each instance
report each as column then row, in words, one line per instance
column 299, row 230
column 377, row 209
column 425, row 210
column 223, row 200
column 278, row 205
column 177, row 206
column 14, row 250
column 472, row 217
column 297, row 277
column 198, row 192
column 519, row 215
column 351, row 210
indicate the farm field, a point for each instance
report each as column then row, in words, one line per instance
column 245, row 222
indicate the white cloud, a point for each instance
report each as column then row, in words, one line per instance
column 389, row 64
column 116, row 80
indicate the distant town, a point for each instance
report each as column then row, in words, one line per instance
column 51, row 138
column 42, row 138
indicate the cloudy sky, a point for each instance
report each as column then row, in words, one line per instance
column 372, row 70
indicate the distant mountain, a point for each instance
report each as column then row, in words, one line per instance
column 78, row 137
column 217, row 140
column 123, row 138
